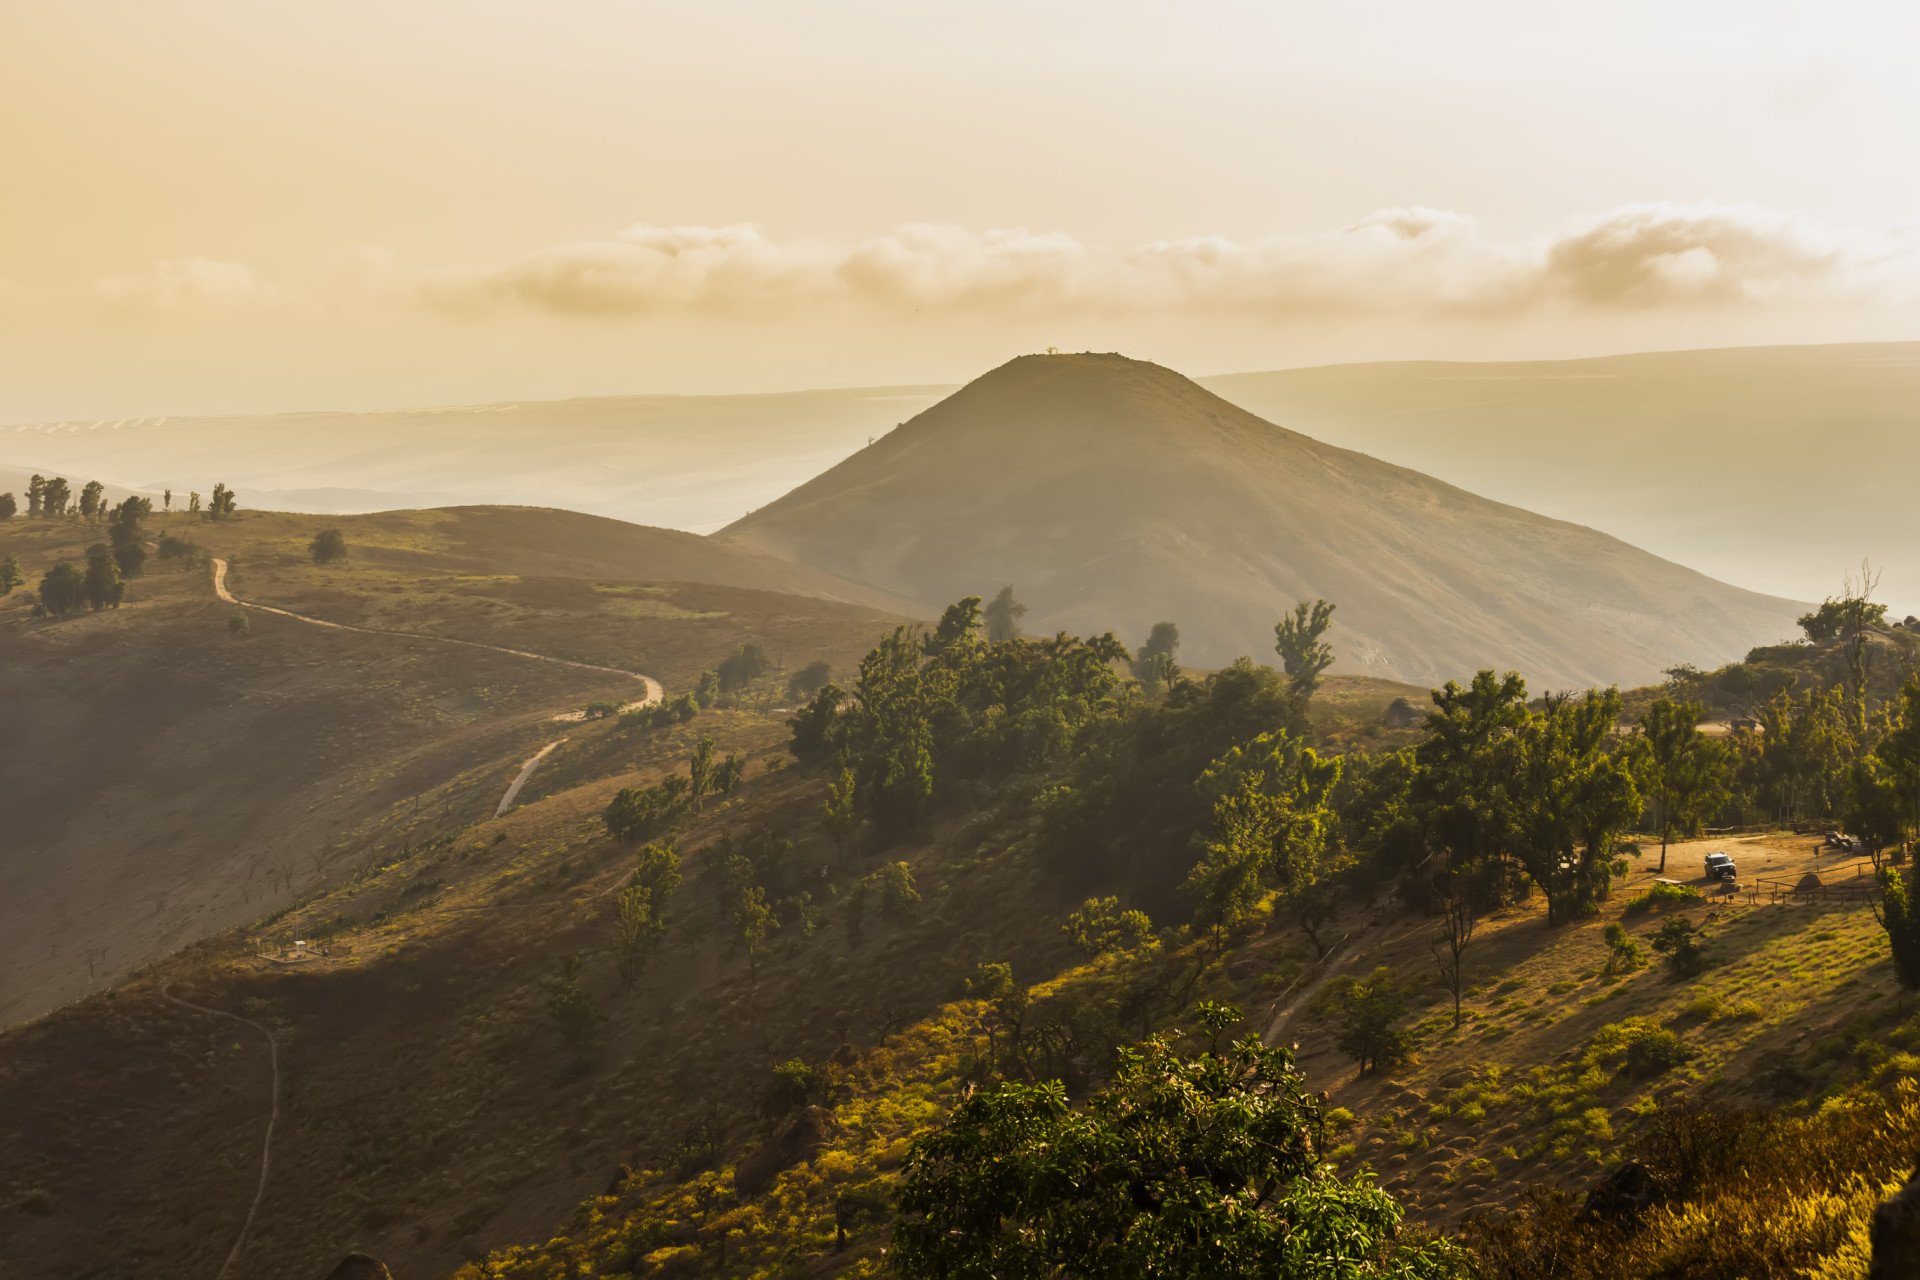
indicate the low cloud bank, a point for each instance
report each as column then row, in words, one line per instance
column 1411, row 260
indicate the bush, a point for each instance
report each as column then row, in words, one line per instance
column 1662, row 895
column 1679, row 942
column 328, row 546
column 1366, row 1011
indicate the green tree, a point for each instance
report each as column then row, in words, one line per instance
column 63, row 590
column 809, row 680
column 54, row 498
column 1100, row 926
column 167, row 501
column 1003, row 617
column 1686, row 773
column 700, row 771
column 838, row 814
column 222, row 505
column 636, row 932
column 328, row 546
column 128, row 537
column 754, row 921
column 1623, row 950
column 104, row 586
column 9, row 506
column 1898, row 754
column 36, row 496
column 1367, row 1013
column 92, row 499
column 1153, row 665
column 193, row 503
column 1459, row 917
column 1571, row 793
column 1271, row 824
column 1679, row 942
column 898, row 892
column 1899, row 915
column 11, row 574
column 575, row 1013
column 742, row 667
column 1303, row 654
column 1181, row 1167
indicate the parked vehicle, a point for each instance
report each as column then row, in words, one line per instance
column 1720, row 866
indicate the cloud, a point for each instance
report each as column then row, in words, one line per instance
column 1401, row 262
column 174, row 285
column 1395, row 260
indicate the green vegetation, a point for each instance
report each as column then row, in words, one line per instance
column 1181, row 1167
column 328, row 546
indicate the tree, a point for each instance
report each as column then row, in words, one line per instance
column 1898, row 756
column 167, row 500
column 640, row 909
column 11, row 574
column 62, row 590
column 1570, row 793
column 1623, row 950
column 1181, row 1167
column 742, row 667
column 9, row 506
column 838, row 814
column 809, row 680
column 36, row 497
column 1296, row 639
column 1459, row 916
column 575, row 1014
column 754, row 922
column 53, row 499
column 1367, row 1012
column 1679, row 942
column 1100, row 926
column 92, row 499
column 223, row 502
column 700, row 771
column 104, row 586
column 193, row 503
column 1685, row 773
column 327, row 546
column 1270, row 826
column 1899, row 915
column 1153, row 666
column 1003, row 617
column 128, row 539
column 728, row 776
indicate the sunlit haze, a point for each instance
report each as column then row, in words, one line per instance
column 232, row 205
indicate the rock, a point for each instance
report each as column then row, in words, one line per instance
column 1624, row 1193
column 1895, row 1235
column 358, row 1266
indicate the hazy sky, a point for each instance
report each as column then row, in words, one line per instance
column 246, row 204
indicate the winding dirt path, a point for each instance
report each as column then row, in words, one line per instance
column 273, row 1121
column 652, row 690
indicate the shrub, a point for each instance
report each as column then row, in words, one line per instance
column 1662, row 895
column 328, row 546
column 1624, row 953
column 1679, row 942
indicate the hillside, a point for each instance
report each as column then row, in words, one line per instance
column 1679, row 452
column 185, row 779
column 1114, row 493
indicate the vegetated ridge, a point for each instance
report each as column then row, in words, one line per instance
column 1113, row 493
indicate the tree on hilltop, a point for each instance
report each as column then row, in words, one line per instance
column 9, row 506
column 1153, row 664
column 92, row 499
column 54, row 498
column 128, row 539
column 11, row 574
column 36, row 497
column 104, row 585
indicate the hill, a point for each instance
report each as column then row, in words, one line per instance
column 169, row 779
column 1780, row 466
column 1115, row 493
